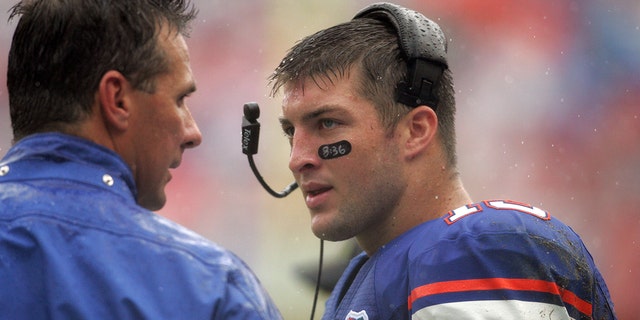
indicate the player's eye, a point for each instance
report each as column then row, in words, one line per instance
column 181, row 99
column 328, row 123
column 288, row 131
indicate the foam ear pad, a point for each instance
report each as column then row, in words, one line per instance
column 425, row 47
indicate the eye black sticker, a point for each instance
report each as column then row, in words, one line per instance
column 334, row 150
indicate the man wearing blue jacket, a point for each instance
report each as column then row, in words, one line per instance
column 97, row 95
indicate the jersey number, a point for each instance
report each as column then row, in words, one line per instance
column 467, row 210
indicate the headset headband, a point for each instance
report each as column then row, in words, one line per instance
column 425, row 47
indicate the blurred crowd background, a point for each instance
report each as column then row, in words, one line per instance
column 548, row 97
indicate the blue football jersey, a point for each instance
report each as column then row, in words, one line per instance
column 490, row 260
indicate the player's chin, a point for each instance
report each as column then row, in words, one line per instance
column 324, row 227
column 153, row 201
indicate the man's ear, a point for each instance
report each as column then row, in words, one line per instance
column 421, row 125
column 113, row 100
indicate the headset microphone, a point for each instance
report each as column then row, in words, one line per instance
column 250, row 137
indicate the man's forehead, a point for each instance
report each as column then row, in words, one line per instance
column 323, row 80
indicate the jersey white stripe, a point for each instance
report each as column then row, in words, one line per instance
column 492, row 309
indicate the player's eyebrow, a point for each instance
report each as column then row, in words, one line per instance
column 312, row 114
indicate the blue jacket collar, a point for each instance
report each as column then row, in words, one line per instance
column 62, row 148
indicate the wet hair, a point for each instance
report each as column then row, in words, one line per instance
column 370, row 48
column 62, row 48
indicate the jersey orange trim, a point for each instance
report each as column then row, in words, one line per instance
column 501, row 284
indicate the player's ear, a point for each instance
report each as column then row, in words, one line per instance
column 113, row 96
column 421, row 125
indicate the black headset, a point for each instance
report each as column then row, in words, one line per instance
column 425, row 48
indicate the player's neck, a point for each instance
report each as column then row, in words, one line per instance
column 422, row 202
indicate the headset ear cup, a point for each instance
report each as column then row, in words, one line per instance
column 419, row 89
column 424, row 45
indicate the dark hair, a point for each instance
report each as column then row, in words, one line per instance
column 372, row 47
column 61, row 50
